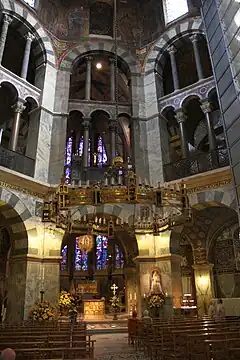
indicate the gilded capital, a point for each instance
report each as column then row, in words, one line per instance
column 7, row 19
column 194, row 38
column 29, row 37
column 171, row 49
column 206, row 107
column 180, row 116
column 19, row 107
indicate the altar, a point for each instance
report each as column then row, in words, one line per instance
column 94, row 309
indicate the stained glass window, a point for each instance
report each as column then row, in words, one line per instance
column 101, row 152
column 30, row 2
column 81, row 258
column 174, row 9
column 64, row 258
column 101, row 252
column 119, row 258
column 68, row 159
column 80, row 148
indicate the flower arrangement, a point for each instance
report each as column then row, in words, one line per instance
column 42, row 311
column 155, row 301
column 65, row 299
column 115, row 303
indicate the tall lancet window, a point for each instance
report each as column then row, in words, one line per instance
column 101, row 158
column 68, row 159
column 173, row 9
column 101, row 252
column 119, row 258
column 81, row 258
column 64, row 252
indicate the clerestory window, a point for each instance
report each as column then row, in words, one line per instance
column 173, row 9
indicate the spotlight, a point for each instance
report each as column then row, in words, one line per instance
column 99, row 66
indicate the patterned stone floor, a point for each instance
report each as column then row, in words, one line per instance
column 115, row 347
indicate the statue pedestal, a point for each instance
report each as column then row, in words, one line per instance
column 94, row 309
column 168, row 307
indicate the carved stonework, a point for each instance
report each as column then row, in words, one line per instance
column 200, row 254
column 176, row 99
column 87, row 108
column 24, row 89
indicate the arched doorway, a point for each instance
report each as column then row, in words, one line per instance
column 13, row 251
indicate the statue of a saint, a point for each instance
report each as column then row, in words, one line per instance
column 156, row 287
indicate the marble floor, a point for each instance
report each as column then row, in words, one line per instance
column 115, row 347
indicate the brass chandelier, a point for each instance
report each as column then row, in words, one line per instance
column 168, row 206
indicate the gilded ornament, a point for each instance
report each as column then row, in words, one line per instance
column 85, row 242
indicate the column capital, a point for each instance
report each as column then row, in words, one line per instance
column 180, row 116
column 89, row 58
column 7, row 19
column 194, row 38
column 112, row 124
column 19, row 107
column 86, row 123
column 171, row 49
column 206, row 107
column 111, row 60
column 29, row 37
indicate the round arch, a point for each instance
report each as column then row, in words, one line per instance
column 24, row 16
column 14, row 211
column 70, row 57
column 103, row 111
column 187, row 27
column 221, row 197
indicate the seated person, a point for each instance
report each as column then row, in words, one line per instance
column 146, row 316
column 132, row 327
column 8, row 354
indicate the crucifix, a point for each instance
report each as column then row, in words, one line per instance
column 114, row 288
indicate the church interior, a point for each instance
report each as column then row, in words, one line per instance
column 119, row 176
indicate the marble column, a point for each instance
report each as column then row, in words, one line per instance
column 194, row 40
column 18, row 109
column 206, row 109
column 86, row 126
column 204, row 288
column 172, row 51
column 26, row 57
column 88, row 78
column 7, row 19
column 181, row 118
column 112, row 79
column 112, row 132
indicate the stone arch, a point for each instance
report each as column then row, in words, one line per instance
column 14, row 211
column 187, row 27
column 20, row 12
column 219, row 197
column 100, row 109
column 124, row 54
column 185, row 101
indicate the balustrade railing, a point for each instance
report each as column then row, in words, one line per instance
column 17, row 162
column 195, row 164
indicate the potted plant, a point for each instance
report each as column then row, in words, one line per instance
column 64, row 302
column 115, row 305
column 155, row 302
column 42, row 311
